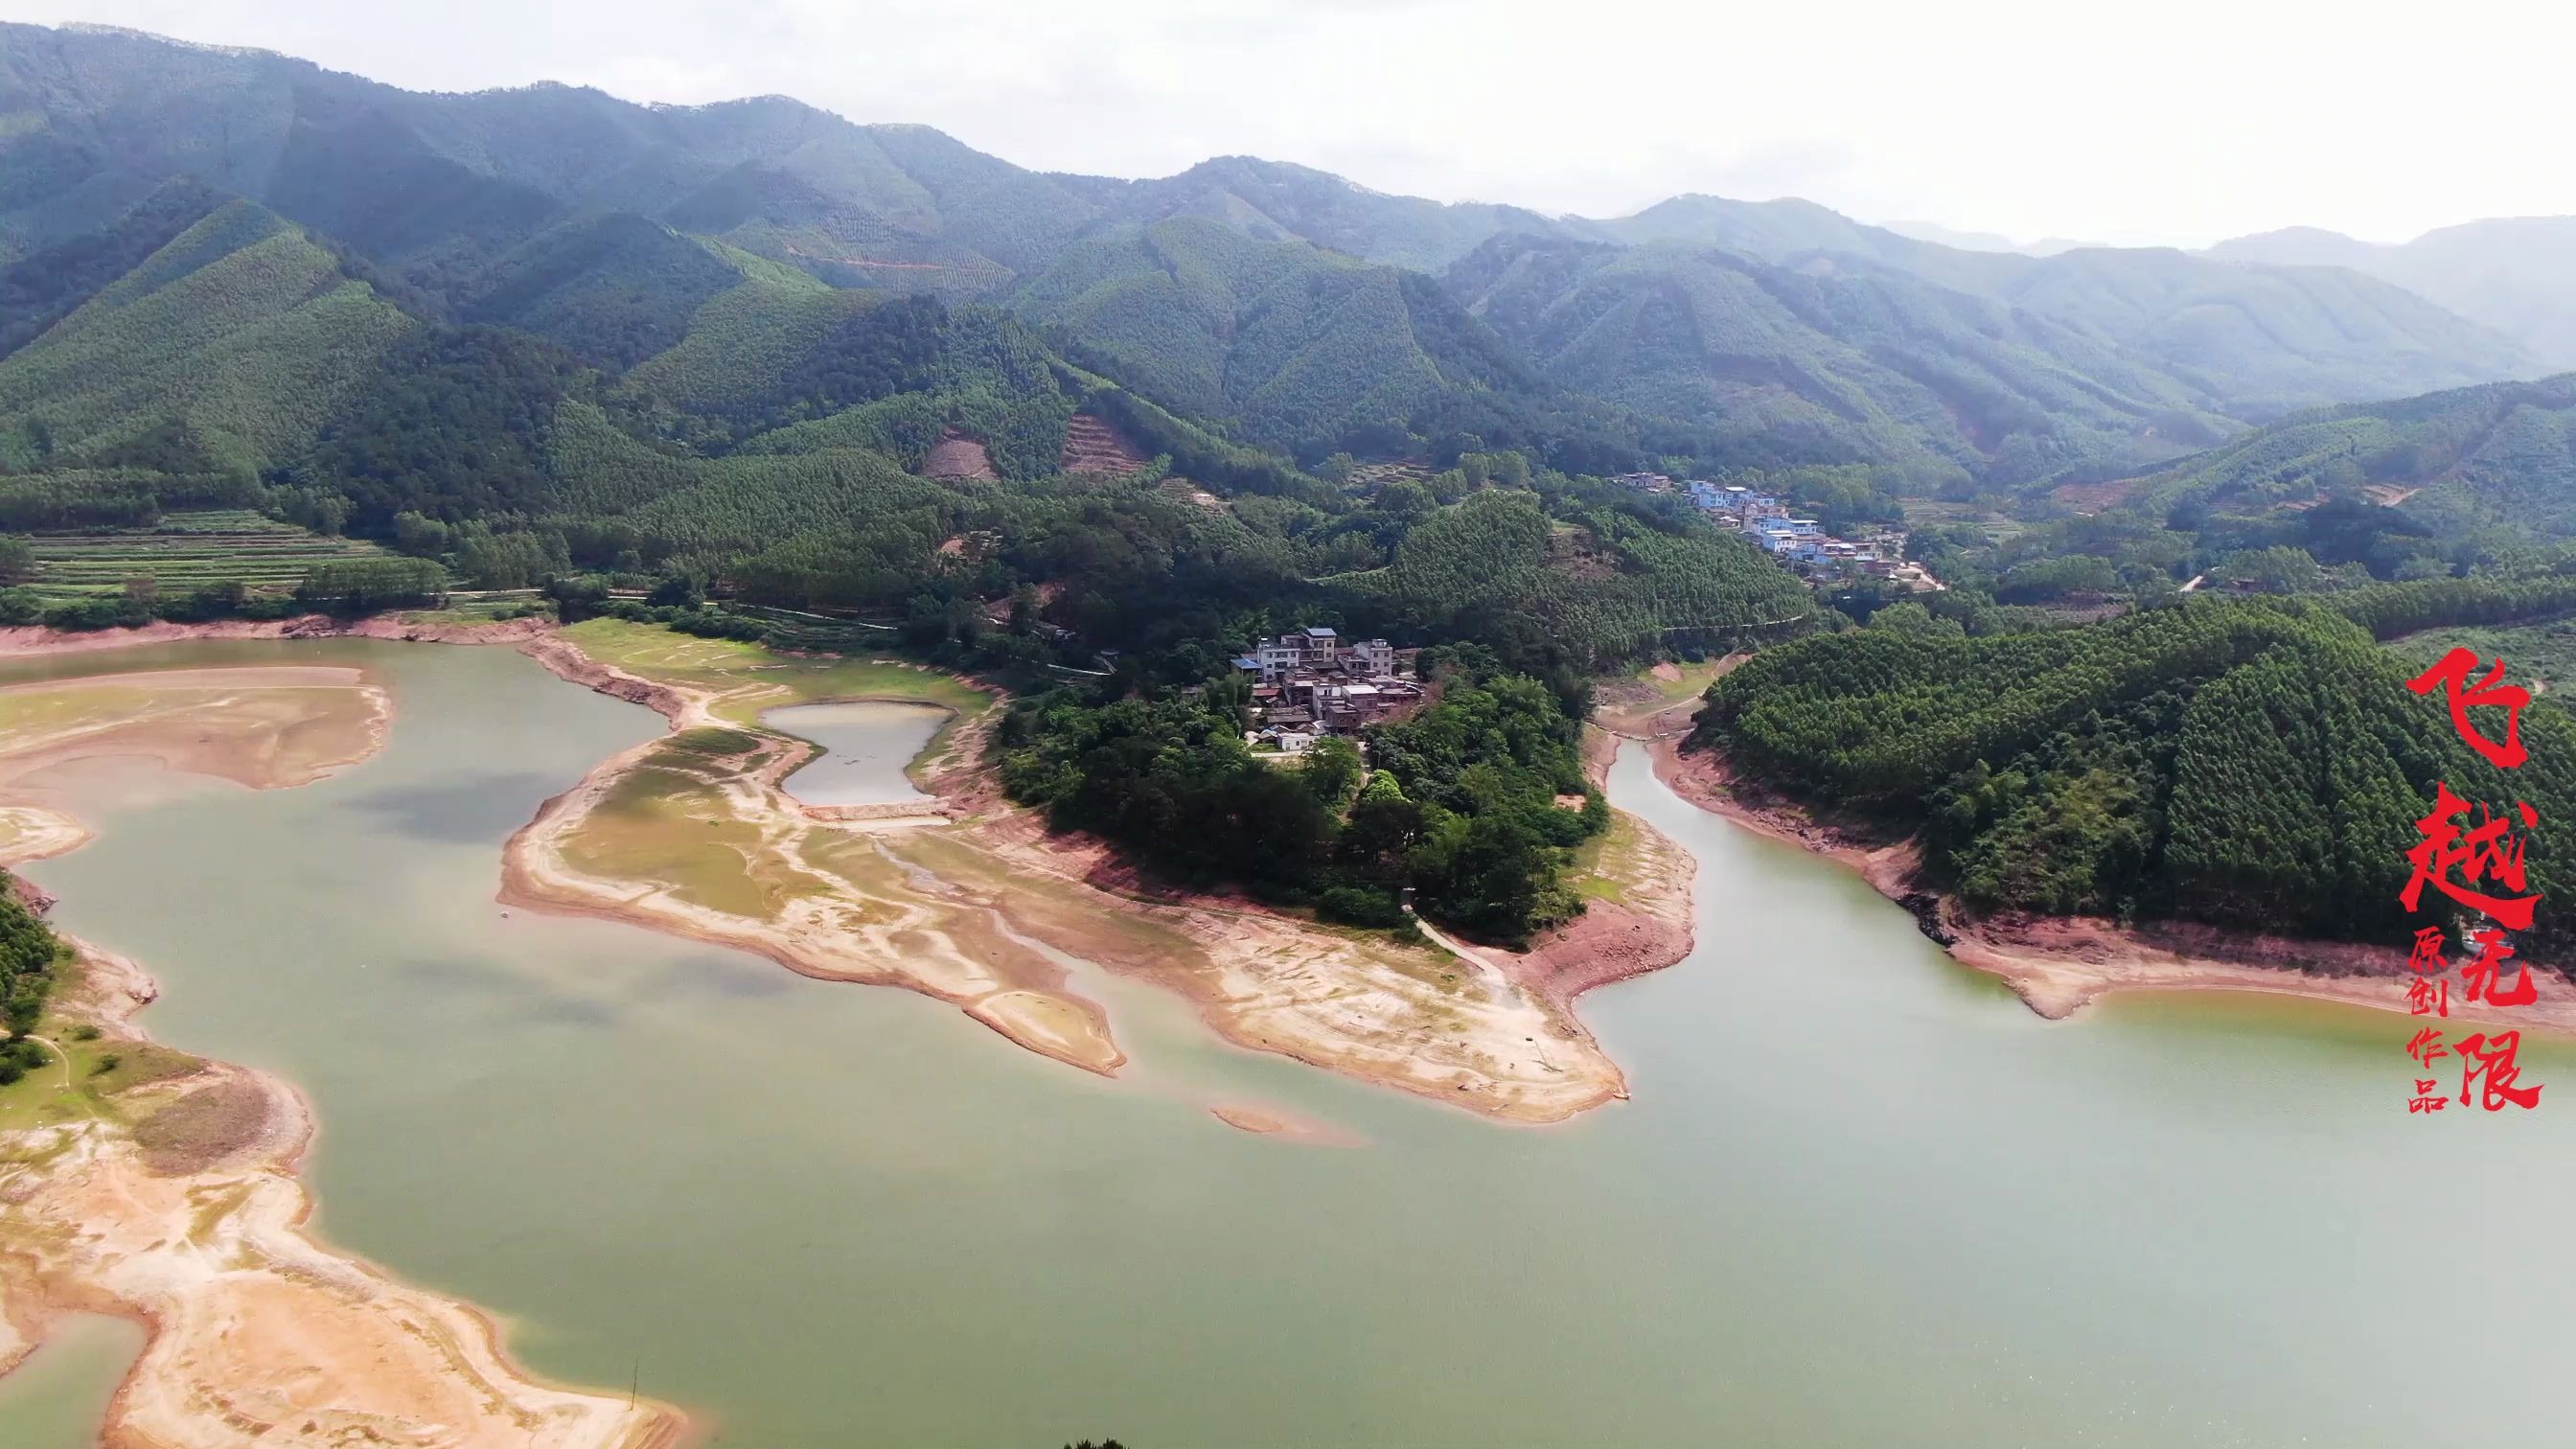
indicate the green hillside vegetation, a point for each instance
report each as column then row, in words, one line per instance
column 1275, row 201
column 1309, row 353
column 2470, row 464
column 2540, row 655
column 1305, row 351
column 611, row 289
column 30, row 958
column 2249, row 763
column 744, row 341
column 182, row 552
column 1269, row 302
column 1868, row 362
column 1600, row 584
column 227, row 345
column 2261, row 340
column 40, row 290
column 893, row 375
column 2473, row 481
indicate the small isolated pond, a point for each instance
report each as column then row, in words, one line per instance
column 866, row 745
column 56, row 1399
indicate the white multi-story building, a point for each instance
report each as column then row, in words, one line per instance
column 1319, row 651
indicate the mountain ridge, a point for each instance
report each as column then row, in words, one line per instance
column 2511, row 273
column 504, row 206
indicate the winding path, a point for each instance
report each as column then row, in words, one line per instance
column 64, row 1056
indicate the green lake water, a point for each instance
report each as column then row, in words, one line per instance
column 866, row 744
column 54, row 1400
column 1862, row 1196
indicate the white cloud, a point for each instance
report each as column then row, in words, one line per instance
column 2188, row 120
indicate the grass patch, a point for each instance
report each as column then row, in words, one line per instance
column 712, row 743
column 1694, row 681
column 1609, row 864
column 40, row 1098
column 758, row 680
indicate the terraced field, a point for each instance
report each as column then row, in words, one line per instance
column 187, row 551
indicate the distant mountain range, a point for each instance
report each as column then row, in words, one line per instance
column 2514, row 274
column 1982, row 241
column 1285, row 306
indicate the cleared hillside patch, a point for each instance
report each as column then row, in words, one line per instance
column 188, row 551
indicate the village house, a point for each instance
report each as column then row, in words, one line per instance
column 1801, row 544
column 1313, row 680
column 1320, row 651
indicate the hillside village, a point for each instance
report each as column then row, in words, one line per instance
column 1799, row 543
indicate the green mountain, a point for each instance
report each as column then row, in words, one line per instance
column 2502, row 456
column 1287, row 308
column 227, row 345
column 2510, row 273
column 1275, row 201
column 2264, row 339
column 2249, row 763
column 1942, row 384
column 435, row 184
column 567, row 210
column 1306, row 350
column 1948, row 363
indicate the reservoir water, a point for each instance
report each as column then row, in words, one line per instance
column 56, row 1398
column 866, row 745
column 1862, row 1197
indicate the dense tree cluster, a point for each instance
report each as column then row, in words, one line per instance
column 29, row 955
column 2254, row 763
column 1459, row 803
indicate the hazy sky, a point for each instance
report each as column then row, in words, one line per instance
column 2177, row 122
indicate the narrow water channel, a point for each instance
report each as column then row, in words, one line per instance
column 1862, row 1197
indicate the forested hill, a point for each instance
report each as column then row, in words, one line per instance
column 2004, row 368
column 605, row 226
column 185, row 339
column 1943, row 384
column 2496, row 462
column 623, row 403
column 2248, row 763
column 1311, row 352
column 2509, row 273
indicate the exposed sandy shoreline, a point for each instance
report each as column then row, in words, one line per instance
column 1259, row 978
column 1021, row 998
column 26, row 640
column 1498, row 1037
column 257, row 1334
column 2060, row 965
